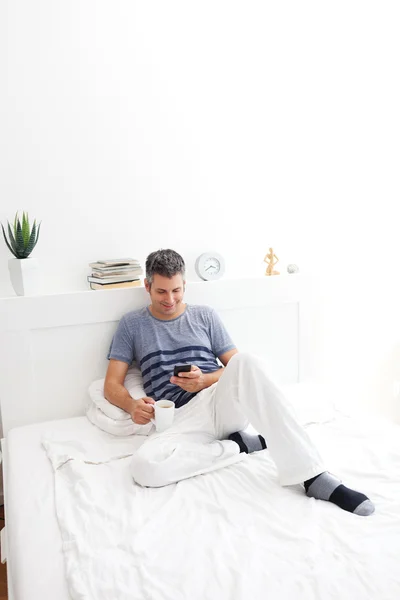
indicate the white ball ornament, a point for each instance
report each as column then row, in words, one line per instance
column 292, row 269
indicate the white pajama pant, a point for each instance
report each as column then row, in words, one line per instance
column 196, row 442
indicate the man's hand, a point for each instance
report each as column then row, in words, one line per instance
column 142, row 410
column 193, row 382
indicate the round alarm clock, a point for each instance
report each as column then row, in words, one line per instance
column 210, row 265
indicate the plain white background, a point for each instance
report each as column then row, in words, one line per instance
column 128, row 126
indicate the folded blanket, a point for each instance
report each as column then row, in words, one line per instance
column 110, row 418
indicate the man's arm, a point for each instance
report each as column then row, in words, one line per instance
column 211, row 378
column 196, row 380
column 226, row 357
column 115, row 392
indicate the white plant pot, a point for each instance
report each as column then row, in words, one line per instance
column 24, row 275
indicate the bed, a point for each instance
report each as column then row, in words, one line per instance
column 78, row 527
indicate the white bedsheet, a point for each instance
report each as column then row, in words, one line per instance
column 230, row 534
column 34, row 541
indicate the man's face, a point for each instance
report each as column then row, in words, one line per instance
column 166, row 296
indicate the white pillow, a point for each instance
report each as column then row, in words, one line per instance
column 114, row 426
column 312, row 402
column 133, row 383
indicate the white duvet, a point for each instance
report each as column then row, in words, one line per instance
column 233, row 533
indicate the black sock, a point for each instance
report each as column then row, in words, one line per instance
column 326, row 486
column 247, row 442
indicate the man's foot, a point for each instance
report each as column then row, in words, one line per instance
column 328, row 487
column 247, row 442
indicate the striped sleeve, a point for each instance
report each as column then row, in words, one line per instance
column 221, row 341
column 122, row 344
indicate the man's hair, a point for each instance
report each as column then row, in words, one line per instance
column 164, row 262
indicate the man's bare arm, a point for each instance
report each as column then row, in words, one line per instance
column 226, row 357
column 114, row 389
column 115, row 392
column 211, row 378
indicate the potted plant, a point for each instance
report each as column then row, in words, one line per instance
column 21, row 241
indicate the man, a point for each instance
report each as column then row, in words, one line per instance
column 214, row 404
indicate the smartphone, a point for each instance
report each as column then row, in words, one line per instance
column 182, row 369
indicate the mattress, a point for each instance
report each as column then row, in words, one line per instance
column 237, row 533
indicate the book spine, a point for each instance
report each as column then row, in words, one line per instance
column 112, row 286
column 119, row 263
column 116, row 273
column 104, row 280
column 112, row 265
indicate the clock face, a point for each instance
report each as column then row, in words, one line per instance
column 210, row 265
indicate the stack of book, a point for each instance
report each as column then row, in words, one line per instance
column 114, row 273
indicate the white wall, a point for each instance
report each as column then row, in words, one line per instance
column 233, row 126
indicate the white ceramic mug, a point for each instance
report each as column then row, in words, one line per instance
column 164, row 411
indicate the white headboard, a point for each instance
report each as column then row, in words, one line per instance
column 52, row 347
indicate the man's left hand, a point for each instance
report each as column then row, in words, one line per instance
column 193, row 382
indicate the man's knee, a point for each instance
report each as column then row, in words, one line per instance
column 148, row 468
column 241, row 358
column 143, row 470
column 248, row 359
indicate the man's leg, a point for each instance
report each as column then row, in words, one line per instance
column 187, row 449
column 192, row 447
column 246, row 389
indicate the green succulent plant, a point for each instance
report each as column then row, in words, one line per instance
column 22, row 241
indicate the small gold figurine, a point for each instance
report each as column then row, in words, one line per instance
column 269, row 259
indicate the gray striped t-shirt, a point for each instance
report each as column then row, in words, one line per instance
column 196, row 337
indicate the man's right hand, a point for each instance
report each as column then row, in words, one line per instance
column 142, row 410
